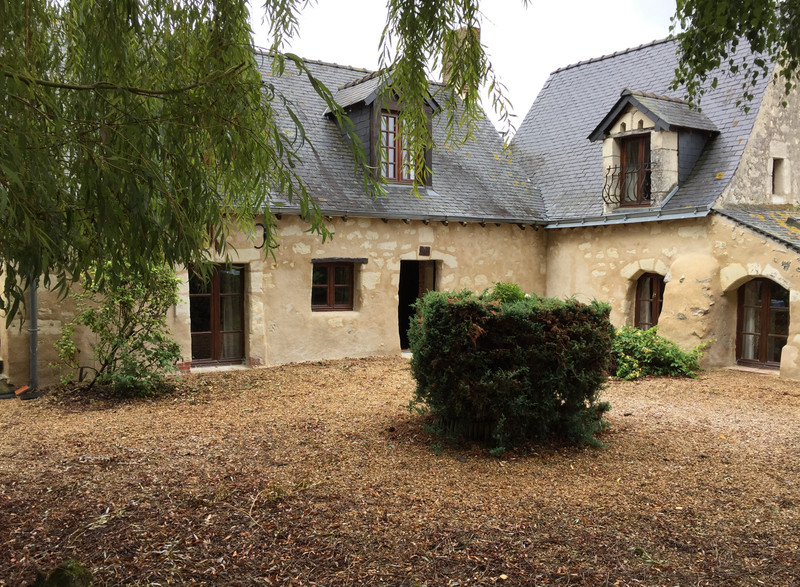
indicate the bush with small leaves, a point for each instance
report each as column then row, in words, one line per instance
column 641, row 353
column 133, row 349
column 508, row 372
column 504, row 292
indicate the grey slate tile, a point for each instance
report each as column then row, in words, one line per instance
column 476, row 182
column 778, row 222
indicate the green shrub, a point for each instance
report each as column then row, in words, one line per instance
column 507, row 372
column 639, row 353
column 133, row 349
column 504, row 292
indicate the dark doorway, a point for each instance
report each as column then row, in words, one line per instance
column 216, row 309
column 416, row 279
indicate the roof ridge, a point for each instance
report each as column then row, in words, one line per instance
column 377, row 73
column 370, row 73
column 615, row 54
column 361, row 80
column 267, row 53
column 654, row 96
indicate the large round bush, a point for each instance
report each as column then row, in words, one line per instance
column 507, row 368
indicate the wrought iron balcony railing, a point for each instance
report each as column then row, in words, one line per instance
column 627, row 186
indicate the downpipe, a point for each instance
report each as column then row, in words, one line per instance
column 31, row 390
column 33, row 330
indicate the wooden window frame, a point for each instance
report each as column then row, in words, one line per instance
column 764, row 335
column 330, row 286
column 397, row 145
column 656, row 301
column 215, row 296
column 643, row 141
column 389, row 105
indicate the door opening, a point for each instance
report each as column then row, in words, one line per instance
column 216, row 310
column 763, row 323
column 416, row 279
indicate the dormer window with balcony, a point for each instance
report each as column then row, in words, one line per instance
column 650, row 145
column 375, row 113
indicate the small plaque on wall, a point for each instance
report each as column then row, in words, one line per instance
column 424, row 251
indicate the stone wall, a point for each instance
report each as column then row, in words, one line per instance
column 703, row 261
column 53, row 313
column 776, row 135
column 281, row 326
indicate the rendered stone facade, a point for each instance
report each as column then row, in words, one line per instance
column 703, row 262
column 282, row 328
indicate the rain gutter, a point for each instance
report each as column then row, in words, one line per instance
column 445, row 219
column 633, row 216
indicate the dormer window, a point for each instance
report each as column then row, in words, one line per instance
column 395, row 158
column 374, row 108
column 650, row 145
column 634, row 180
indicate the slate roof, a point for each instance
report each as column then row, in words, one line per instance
column 672, row 112
column 364, row 89
column 476, row 182
column 568, row 168
column 778, row 222
column 666, row 113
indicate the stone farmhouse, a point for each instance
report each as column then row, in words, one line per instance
column 614, row 189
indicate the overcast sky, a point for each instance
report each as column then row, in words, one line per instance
column 524, row 45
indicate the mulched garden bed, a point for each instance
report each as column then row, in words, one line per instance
column 318, row 474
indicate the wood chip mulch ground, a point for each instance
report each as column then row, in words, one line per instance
column 316, row 474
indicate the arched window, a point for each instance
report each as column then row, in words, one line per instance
column 649, row 296
column 762, row 327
